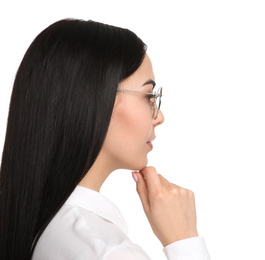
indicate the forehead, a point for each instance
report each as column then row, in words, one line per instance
column 145, row 71
column 142, row 75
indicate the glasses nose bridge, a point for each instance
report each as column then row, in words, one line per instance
column 157, row 103
column 156, row 95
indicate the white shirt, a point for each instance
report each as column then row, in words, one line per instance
column 90, row 227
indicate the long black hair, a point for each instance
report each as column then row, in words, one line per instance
column 60, row 109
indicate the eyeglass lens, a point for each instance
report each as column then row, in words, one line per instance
column 157, row 103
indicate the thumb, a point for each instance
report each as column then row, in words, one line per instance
column 142, row 191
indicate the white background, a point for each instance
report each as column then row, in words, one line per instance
column 210, row 58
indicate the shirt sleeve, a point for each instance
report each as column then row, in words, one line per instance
column 125, row 252
column 187, row 249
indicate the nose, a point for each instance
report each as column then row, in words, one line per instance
column 160, row 119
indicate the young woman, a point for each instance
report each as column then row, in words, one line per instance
column 83, row 105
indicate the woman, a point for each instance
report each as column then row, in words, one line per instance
column 83, row 106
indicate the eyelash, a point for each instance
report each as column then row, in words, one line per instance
column 149, row 97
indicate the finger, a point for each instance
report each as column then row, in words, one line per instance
column 152, row 179
column 164, row 182
column 142, row 191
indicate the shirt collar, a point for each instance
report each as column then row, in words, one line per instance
column 98, row 204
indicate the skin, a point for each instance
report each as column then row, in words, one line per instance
column 169, row 208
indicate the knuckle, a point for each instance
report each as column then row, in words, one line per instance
column 159, row 195
column 139, row 190
column 174, row 191
column 185, row 192
column 180, row 193
column 149, row 169
column 190, row 193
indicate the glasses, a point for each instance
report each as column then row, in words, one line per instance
column 155, row 99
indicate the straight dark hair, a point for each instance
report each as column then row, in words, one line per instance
column 60, row 109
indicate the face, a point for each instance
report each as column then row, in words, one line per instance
column 132, row 125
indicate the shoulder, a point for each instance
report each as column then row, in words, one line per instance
column 74, row 231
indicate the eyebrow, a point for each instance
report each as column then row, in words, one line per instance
column 150, row 81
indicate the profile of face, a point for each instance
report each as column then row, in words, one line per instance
column 132, row 126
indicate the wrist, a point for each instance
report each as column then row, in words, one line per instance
column 169, row 240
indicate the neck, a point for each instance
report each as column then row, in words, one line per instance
column 97, row 174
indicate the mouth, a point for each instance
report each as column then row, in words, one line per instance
column 150, row 144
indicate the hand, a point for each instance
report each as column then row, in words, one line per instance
column 169, row 208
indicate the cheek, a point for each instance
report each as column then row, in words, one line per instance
column 127, row 136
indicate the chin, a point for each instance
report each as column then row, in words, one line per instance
column 134, row 163
column 139, row 166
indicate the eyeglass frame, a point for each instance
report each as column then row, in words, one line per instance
column 155, row 95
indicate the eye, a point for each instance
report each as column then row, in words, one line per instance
column 151, row 98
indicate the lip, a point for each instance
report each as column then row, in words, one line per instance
column 150, row 145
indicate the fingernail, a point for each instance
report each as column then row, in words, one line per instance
column 134, row 177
